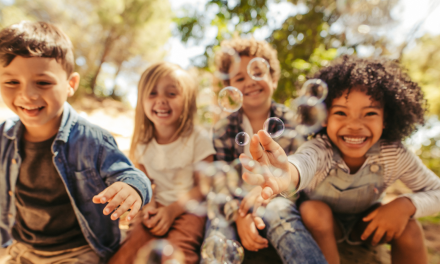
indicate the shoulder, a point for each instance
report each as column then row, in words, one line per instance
column 88, row 132
column 392, row 148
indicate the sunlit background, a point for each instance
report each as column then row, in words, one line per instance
column 115, row 40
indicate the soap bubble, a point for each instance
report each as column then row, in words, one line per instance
column 274, row 127
column 315, row 88
column 307, row 114
column 214, row 248
column 159, row 251
column 366, row 12
column 258, row 68
column 230, row 99
column 234, row 252
column 242, row 138
column 227, row 63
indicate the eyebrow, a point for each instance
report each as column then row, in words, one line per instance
column 375, row 107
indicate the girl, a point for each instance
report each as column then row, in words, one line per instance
column 165, row 145
column 372, row 106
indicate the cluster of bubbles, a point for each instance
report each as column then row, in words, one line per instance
column 307, row 112
column 159, row 251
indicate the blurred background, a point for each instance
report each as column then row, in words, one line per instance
column 115, row 41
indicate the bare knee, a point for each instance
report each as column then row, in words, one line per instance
column 412, row 236
column 317, row 216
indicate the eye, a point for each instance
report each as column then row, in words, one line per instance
column 239, row 79
column 152, row 93
column 12, row 82
column 43, row 83
column 371, row 114
column 340, row 113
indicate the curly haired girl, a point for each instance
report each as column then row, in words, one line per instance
column 372, row 106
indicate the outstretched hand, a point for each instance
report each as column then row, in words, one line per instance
column 269, row 167
column 122, row 195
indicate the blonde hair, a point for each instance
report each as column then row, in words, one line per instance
column 143, row 127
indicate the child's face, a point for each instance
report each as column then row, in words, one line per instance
column 255, row 93
column 355, row 123
column 164, row 105
column 35, row 89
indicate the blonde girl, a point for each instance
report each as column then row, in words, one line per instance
column 165, row 145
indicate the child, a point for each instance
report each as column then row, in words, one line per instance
column 372, row 106
column 54, row 164
column 165, row 146
column 285, row 231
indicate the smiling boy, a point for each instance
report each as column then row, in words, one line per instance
column 55, row 166
column 283, row 227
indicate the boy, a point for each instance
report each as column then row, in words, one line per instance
column 284, row 228
column 54, row 164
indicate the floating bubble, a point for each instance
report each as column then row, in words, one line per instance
column 307, row 115
column 258, row 68
column 227, row 63
column 159, row 251
column 366, row 12
column 274, row 127
column 242, row 139
column 230, row 99
column 214, row 248
column 314, row 88
column 234, row 252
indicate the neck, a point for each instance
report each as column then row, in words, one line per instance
column 354, row 163
column 257, row 116
column 39, row 134
column 164, row 135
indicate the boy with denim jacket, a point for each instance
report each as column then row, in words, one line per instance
column 57, row 171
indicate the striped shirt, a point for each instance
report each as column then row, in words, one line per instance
column 314, row 160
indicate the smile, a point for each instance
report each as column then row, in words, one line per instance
column 31, row 110
column 354, row 140
column 254, row 92
column 162, row 113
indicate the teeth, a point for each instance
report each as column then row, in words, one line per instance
column 30, row 108
column 354, row 140
column 162, row 113
column 253, row 92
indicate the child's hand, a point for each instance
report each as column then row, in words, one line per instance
column 389, row 220
column 122, row 195
column 270, row 168
column 161, row 221
column 248, row 233
column 253, row 200
column 149, row 210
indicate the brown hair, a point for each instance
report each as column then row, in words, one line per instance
column 251, row 48
column 36, row 39
column 143, row 127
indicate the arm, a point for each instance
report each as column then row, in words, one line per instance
column 129, row 188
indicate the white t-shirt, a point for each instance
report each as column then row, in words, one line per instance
column 170, row 166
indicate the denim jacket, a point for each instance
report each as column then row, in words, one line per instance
column 88, row 160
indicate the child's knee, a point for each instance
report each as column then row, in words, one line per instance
column 411, row 237
column 316, row 215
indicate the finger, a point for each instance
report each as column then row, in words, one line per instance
column 255, row 237
column 268, row 143
column 108, row 193
column 389, row 236
column 123, row 207
column 253, row 179
column 152, row 222
column 256, row 150
column 117, row 200
column 259, row 223
column 257, row 204
column 370, row 216
column 157, row 227
column 97, row 198
column 245, row 205
column 380, row 232
column 267, row 192
column 134, row 210
column 368, row 231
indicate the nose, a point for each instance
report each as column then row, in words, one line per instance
column 249, row 82
column 29, row 92
column 354, row 124
column 161, row 99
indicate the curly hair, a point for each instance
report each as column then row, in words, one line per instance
column 251, row 48
column 386, row 82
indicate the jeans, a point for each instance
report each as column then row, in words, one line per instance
column 285, row 231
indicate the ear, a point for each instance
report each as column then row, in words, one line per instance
column 73, row 84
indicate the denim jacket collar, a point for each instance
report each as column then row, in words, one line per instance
column 14, row 127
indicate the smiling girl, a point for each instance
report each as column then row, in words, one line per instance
column 344, row 171
column 165, row 146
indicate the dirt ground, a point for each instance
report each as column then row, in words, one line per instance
column 118, row 119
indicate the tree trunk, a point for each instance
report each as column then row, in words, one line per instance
column 106, row 51
column 116, row 76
